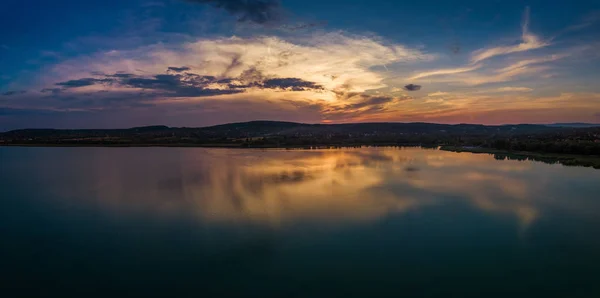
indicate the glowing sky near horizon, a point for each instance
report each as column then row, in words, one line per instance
column 81, row 64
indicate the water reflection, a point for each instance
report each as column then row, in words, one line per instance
column 367, row 222
column 277, row 187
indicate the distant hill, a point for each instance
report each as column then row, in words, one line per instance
column 263, row 134
column 269, row 128
column 575, row 124
column 255, row 129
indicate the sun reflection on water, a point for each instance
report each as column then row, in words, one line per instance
column 277, row 187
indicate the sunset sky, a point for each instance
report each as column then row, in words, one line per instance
column 114, row 63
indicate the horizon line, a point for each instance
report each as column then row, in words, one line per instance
column 304, row 123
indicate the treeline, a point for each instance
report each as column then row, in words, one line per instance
column 583, row 147
column 532, row 138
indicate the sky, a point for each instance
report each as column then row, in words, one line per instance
column 116, row 64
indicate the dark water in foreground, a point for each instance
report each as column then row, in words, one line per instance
column 370, row 222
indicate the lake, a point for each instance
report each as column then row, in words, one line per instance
column 356, row 222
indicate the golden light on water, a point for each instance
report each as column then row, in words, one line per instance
column 328, row 187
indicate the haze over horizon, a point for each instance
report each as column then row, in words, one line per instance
column 194, row 63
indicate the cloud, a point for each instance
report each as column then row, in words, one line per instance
column 521, row 68
column 120, row 75
column 516, row 69
column 505, row 76
column 178, row 69
column 352, row 106
column 373, row 100
column 434, row 100
column 275, row 77
column 528, row 42
column 444, row 72
column 189, row 84
column 330, row 60
column 293, row 84
column 471, row 74
column 506, row 89
column 80, row 82
column 412, row 87
column 254, row 11
column 9, row 93
column 439, row 93
column 587, row 21
column 301, row 26
column 523, row 63
column 514, row 89
column 51, row 90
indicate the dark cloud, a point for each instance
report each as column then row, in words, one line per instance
column 359, row 105
column 9, row 93
column 292, row 84
column 412, row 87
column 51, row 90
column 235, row 62
column 253, row 11
column 252, row 75
column 82, row 82
column 180, row 85
column 96, row 100
column 172, row 84
column 120, row 75
column 372, row 101
column 302, row 26
column 178, row 69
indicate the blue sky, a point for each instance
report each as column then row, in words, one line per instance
column 310, row 61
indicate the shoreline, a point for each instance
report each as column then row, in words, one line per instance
column 563, row 159
column 550, row 158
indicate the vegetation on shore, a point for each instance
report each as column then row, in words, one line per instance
column 551, row 158
column 567, row 145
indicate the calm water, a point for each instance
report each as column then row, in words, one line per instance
column 370, row 222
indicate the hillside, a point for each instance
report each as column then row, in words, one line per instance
column 522, row 137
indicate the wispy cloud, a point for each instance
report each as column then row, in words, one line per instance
column 504, row 73
column 529, row 41
column 476, row 72
column 588, row 20
column 524, row 63
column 438, row 93
column 446, row 71
column 500, row 76
column 513, row 89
